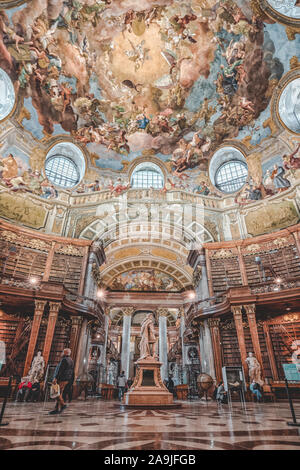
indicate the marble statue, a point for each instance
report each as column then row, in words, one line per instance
column 254, row 369
column 147, row 344
column 112, row 373
column 37, row 368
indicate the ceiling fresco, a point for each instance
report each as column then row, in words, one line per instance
column 145, row 280
column 166, row 78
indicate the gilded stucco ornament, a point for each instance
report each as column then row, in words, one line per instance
column 69, row 250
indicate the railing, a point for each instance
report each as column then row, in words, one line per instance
column 33, row 284
column 20, row 282
column 273, row 286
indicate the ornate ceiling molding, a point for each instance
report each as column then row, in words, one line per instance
column 265, row 7
column 12, row 3
column 293, row 74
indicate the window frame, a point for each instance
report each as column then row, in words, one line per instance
column 142, row 175
column 220, row 186
column 72, row 162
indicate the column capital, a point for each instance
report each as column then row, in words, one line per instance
column 54, row 307
column 128, row 311
column 76, row 320
column 162, row 312
column 250, row 309
column 181, row 312
column 236, row 310
column 213, row 322
column 39, row 306
column 107, row 311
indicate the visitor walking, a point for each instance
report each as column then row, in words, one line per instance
column 63, row 375
column 221, row 394
column 121, row 382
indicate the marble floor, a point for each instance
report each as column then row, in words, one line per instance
column 99, row 425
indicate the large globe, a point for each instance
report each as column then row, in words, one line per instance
column 204, row 382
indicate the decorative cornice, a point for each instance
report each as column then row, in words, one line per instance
column 34, row 243
column 69, row 250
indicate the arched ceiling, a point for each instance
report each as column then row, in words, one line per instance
column 124, row 77
column 131, row 81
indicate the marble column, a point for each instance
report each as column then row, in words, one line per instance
column 74, row 336
column 214, row 326
column 53, row 314
column 206, row 350
column 250, row 310
column 163, row 341
column 37, row 318
column 103, row 355
column 182, row 330
column 202, row 288
column 242, row 267
column 49, row 263
column 205, row 341
column 270, row 351
column 83, row 271
column 238, row 320
column 82, row 347
column 125, row 353
column 209, row 274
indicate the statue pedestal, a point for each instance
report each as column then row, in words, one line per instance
column 148, row 390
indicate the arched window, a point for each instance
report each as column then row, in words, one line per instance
column 289, row 105
column 147, row 175
column 62, row 171
column 228, row 169
column 7, row 95
column 231, row 176
column 65, row 165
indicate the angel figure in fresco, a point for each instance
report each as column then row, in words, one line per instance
column 280, row 182
column 138, row 54
column 292, row 161
column 147, row 344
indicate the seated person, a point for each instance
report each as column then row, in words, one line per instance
column 24, row 389
column 221, row 395
column 34, row 393
column 256, row 390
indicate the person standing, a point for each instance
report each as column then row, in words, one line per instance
column 2, row 354
column 121, row 384
column 63, row 375
column 221, row 395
